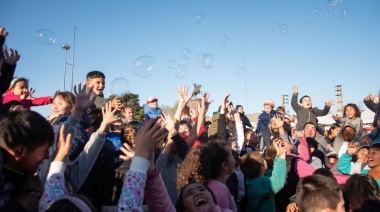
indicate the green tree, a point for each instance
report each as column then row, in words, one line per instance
column 131, row 99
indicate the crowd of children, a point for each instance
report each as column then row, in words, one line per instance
column 84, row 157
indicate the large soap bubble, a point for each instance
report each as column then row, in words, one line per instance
column 274, row 26
column 186, row 53
column 317, row 12
column 119, row 87
column 181, row 71
column 283, row 29
column 144, row 66
column 208, row 60
column 345, row 13
column 200, row 18
column 200, row 58
column 45, row 37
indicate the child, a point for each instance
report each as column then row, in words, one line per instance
column 351, row 114
column 347, row 165
column 19, row 91
column 25, row 138
column 261, row 189
column 306, row 113
column 96, row 80
column 263, row 121
column 151, row 110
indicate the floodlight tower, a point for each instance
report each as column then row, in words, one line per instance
column 339, row 100
column 65, row 47
column 284, row 100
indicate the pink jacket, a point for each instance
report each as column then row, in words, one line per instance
column 304, row 169
column 9, row 96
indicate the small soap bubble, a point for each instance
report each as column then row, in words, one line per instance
column 144, row 66
column 200, row 18
column 119, row 87
column 283, row 29
column 241, row 71
column 181, row 71
column 208, row 61
column 307, row 25
column 345, row 13
column 225, row 39
column 200, row 58
column 274, row 26
column 333, row 5
column 186, row 53
column 317, row 12
column 172, row 64
column 45, row 37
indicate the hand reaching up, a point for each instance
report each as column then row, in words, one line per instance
column 352, row 149
column 147, row 137
column 206, row 102
column 170, row 124
column 11, row 58
column 63, row 145
column 116, row 103
column 108, row 117
column 279, row 121
column 280, row 148
column 83, row 99
column 183, row 96
column 128, row 151
column 225, row 103
column 330, row 103
column 295, row 89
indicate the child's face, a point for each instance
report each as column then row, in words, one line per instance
column 336, row 131
column 98, row 83
column 183, row 130
column 306, row 102
column 20, row 88
column 153, row 104
column 362, row 155
column 267, row 108
column 197, row 198
column 350, row 112
column 59, row 106
column 29, row 162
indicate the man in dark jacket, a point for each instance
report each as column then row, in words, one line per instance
column 243, row 117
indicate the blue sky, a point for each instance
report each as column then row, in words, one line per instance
column 111, row 35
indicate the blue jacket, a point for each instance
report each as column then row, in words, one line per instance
column 150, row 112
column 264, row 119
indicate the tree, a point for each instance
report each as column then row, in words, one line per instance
column 132, row 100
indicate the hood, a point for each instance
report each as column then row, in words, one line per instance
column 303, row 148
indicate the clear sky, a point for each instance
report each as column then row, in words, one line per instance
column 319, row 50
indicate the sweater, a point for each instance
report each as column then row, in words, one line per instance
column 38, row 101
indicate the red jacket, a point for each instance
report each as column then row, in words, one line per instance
column 9, row 96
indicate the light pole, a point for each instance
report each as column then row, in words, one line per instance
column 65, row 47
column 73, row 64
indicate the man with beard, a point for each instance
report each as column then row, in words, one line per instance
column 348, row 132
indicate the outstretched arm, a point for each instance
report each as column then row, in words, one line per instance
column 183, row 99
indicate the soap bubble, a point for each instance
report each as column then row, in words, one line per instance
column 333, row 5
column 283, row 29
column 200, row 18
column 45, row 37
column 5, row 47
column 200, row 58
column 225, row 39
column 181, row 71
column 317, row 12
column 274, row 26
column 241, row 71
column 144, row 66
column 345, row 14
column 186, row 53
column 208, row 60
column 172, row 64
column 307, row 25
column 119, row 87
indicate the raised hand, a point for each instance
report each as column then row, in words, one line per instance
column 295, row 89
column 280, row 149
column 128, row 151
column 206, row 102
column 279, row 121
column 335, row 117
column 183, row 95
column 116, row 103
column 83, row 99
column 352, row 148
column 147, row 137
column 63, row 145
column 330, row 103
column 225, row 103
column 11, row 58
column 169, row 122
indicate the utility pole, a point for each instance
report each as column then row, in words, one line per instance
column 339, row 100
column 284, row 100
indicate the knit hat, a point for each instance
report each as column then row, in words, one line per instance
column 269, row 102
column 348, row 124
column 151, row 99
